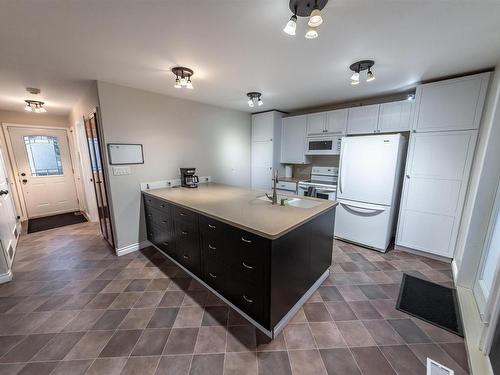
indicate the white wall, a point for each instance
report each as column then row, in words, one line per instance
column 175, row 133
column 483, row 182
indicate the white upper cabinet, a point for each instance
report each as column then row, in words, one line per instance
column 454, row 104
column 395, row 116
column 293, row 140
column 316, row 123
column 336, row 121
column 363, row 120
column 262, row 127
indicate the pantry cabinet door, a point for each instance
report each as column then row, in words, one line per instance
column 435, row 183
column 262, row 127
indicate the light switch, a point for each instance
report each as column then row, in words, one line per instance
column 121, row 171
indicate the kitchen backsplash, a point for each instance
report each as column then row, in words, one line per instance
column 303, row 171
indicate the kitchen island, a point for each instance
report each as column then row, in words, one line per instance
column 264, row 260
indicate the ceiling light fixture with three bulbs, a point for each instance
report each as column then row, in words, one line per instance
column 306, row 8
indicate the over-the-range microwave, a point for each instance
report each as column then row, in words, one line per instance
column 323, row 145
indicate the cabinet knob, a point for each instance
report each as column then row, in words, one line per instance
column 249, row 300
column 212, row 275
column 212, row 226
column 211, row 247
column 185, row 256
column 407, row 176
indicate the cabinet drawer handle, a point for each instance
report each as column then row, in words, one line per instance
column 247, row 266
column 211, row 247
column 182, row 214
column 149, row 215
column 164, row 221
column 165, row 243
column 245, row 240
column 249, row 300
column 212, row 226
column 162, row 205
column 212, row 275
column 185, row 256
column 184, row 233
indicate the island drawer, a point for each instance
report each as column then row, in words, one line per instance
column 162, row 238
column 187, row 246
column 215, row 227
column 247, row 297
column 157, row 217
column 184, row 215
column 250, row 256
column 213, row 247
column 216, row 275
column 150, row 202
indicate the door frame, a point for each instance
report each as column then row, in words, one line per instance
column 13, row 164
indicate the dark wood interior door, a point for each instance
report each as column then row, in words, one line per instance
column 95, row 146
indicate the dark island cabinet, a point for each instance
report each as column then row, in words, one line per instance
column 262, row 277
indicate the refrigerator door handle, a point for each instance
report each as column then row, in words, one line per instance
column 340, row 167
column 364, row 206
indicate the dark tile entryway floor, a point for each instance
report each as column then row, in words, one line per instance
column 75, row 308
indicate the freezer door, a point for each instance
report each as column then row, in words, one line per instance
column 370, row 168
column 366, row 224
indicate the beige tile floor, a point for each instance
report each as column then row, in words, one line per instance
column 75, row 308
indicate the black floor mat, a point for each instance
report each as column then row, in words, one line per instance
column 430, row 302
column 55, row 221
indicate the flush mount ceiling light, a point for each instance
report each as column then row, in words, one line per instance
column 360, row 66
column 34, row 105
column 254, row 98
column 306, row 8
column 183, row 77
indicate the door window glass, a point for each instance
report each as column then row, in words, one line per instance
column 44, row 155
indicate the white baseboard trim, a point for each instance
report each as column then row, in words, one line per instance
column 131, row 248
column 6, row 277
column 479, row 363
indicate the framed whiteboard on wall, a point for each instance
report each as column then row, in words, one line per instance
column 124, row 153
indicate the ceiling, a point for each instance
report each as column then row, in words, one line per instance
column 236, row 46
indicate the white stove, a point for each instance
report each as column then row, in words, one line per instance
column 323, row 183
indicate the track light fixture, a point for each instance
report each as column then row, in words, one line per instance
column 360, row 66
column 182, row 77
column 34, row 105
column 254, row 98
column 306, row 8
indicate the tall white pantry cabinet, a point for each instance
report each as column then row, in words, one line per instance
column 440, row 153
column 266, row 148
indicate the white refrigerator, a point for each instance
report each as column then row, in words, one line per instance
column 368, row 191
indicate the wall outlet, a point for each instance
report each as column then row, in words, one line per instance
column 121, row 171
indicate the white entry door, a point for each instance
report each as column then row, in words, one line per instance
column 44, row 169
column 8, row 219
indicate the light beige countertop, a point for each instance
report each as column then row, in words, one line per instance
column 240, row 207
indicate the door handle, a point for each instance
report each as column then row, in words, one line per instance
column 4, row 192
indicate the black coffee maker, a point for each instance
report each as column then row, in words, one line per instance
column 188, row 178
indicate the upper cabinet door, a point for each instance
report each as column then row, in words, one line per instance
column 262, row 127
column 293, row 140
column 336, row 121
column 454, row 104
column 395, row 116
column 316, row 123
column 363, row 120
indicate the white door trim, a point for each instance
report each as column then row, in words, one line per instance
column 13, row 164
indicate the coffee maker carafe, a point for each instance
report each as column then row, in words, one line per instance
column 188, row 178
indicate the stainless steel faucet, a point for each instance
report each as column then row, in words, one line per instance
column 274, row 198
